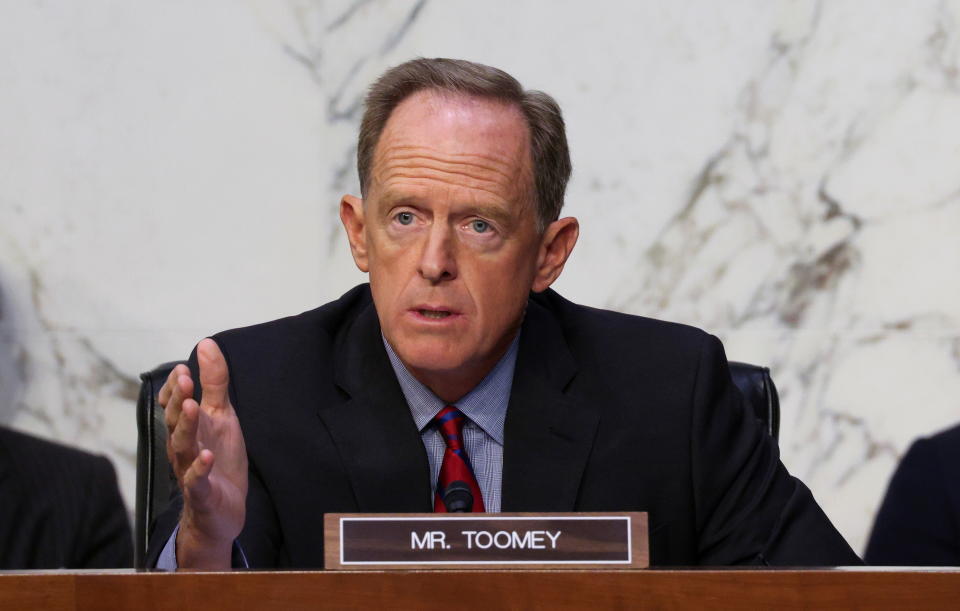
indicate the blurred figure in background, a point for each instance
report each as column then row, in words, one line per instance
column 919, row 521
column 59, row 508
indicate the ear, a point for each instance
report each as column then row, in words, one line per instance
column 351, row 215
column 555, row 247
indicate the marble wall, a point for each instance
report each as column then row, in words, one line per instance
column 783, row 174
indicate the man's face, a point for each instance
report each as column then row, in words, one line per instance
column 449, row 234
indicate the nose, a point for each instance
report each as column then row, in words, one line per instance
column 438, row 260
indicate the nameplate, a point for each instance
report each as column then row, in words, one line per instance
column 485, row 540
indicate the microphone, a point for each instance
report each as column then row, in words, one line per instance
column 457, row 497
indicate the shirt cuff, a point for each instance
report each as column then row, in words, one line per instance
column 168, row 557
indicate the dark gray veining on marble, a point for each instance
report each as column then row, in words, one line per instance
column 342, row 95
column 98, row 373
column 345, row 17
column 79, row 377
column 394, row 38
column 741, row 192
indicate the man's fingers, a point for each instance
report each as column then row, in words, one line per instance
column 182, row 388
column 196, row 481
column 214, row 377
column 183, row 440
column 163, row 397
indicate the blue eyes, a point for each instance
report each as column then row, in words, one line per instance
column 476, row 225
column 479, row 226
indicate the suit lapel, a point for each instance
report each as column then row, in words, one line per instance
column 547, row 434
column 375, row 435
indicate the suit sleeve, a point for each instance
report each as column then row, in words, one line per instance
column 107, row 541
column 162, row 528
column 748, row 508
column 917, row 523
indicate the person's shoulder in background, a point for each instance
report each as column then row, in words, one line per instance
column 918, row 523
column 60, row 507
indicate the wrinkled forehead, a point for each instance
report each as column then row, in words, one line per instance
column 459, row 133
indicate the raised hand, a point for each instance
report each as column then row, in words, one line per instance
column 205, row 446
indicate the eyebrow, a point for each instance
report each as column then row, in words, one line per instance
column 494, row 212
column 394, row 199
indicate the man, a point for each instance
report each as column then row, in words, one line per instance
column 563, row 407
column 918, row 523
column 59, row 508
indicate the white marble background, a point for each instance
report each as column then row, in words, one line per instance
column 783, row 174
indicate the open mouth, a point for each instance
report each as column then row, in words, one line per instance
column 435, row 314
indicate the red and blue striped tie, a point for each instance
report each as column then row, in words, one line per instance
column 456, row 463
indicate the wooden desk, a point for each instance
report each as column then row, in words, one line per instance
column 712, row 589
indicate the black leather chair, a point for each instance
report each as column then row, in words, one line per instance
column 758, row 389
column 156, row 482
column 155, row 479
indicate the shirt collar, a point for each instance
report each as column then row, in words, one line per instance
column 485, row 405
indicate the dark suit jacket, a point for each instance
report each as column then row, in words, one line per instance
column 919, row 521
column 59, row 508
column 607, row 412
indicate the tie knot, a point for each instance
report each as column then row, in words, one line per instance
column 450, row 422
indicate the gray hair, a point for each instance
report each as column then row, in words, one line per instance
column 548, row 138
